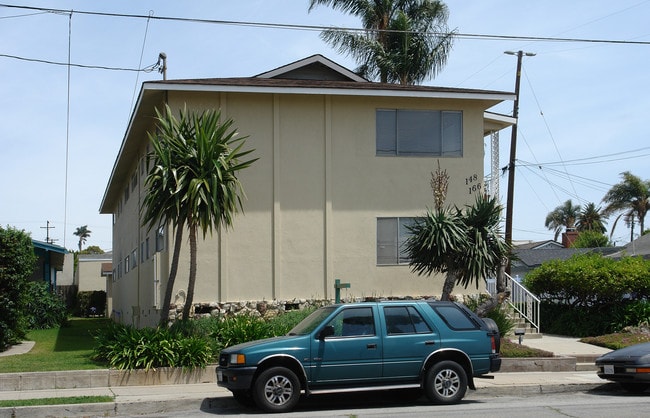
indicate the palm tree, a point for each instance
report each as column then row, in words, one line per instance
column 466, row 245
column 590, row 218
column 193, row 183
column 630, row 199
column 405, row 41
column 563, row 216
column 83, row 233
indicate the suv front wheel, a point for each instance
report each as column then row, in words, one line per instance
column 276, row 390
column 445, row 383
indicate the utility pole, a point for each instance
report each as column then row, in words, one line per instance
column 162, row 62
column 47, row 233
column 513, row 152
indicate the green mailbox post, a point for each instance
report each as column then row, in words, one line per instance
column 337, row 289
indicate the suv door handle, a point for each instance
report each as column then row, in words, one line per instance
column 429, row 342
column 371, row 346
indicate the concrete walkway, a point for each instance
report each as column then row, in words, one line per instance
column 132, row 399
column 564, row 346
column 21, row 348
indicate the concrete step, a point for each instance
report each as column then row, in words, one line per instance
column 586, row 367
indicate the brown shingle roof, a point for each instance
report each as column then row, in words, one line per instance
column 319, row 84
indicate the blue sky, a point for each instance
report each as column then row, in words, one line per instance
column 583, row 105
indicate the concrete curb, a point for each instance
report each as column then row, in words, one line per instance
column 539, row 364
column 110, row 409
column 76, row 379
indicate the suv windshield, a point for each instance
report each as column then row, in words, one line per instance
column 308, row 324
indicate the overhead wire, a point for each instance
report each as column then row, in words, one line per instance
column 144, row 43
column 292, row 26
column 602, row 158
column 147, row 69
column 548, row 128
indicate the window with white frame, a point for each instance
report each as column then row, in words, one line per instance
column 419, row 132
column 134, row 259
column 160, row 238
column 392, row 234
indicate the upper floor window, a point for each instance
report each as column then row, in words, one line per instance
column 392, row 234
column 419, row 132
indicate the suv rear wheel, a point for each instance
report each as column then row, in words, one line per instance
column 276, row 390
column 445, row 383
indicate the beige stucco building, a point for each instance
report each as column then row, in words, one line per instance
column 344, row 164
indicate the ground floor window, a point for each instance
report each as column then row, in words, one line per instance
column 392, row 234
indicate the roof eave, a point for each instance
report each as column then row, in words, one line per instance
column 336, row 91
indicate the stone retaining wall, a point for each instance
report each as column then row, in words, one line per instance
column 272, row 308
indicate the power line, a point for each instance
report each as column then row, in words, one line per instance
column 321, row 28
column 147, row 69
column 590, row 160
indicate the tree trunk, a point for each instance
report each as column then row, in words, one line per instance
column 178, row 240
column 448, row 286
column 189, row 300
column 501, row 277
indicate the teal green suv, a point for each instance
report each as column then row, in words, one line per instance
column 438, row 347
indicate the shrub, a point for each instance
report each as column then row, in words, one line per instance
column 584, row 321
column 125, row 347
column 242, row 328
column 632, row 313
column 591, row 279
column 44, row 309
column 17, row 261
column 187, row 343
column 499, row 313
column 591, row 239
column 285, row 321
column 205, row 328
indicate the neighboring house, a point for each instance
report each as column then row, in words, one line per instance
column 639, row 247
column 344, row 165
column 93, row 270
column 531, row 255
column 50, row 261
column 95, row 273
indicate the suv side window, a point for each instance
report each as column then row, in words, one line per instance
column 404, row 320
column 353, row 322
column 455, row 318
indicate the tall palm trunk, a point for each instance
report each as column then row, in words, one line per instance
column 450, row 282
column 178, row 240
column 189, row 300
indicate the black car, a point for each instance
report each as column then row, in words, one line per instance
column 629, row 366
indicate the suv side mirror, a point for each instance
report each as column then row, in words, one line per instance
column 326, row 332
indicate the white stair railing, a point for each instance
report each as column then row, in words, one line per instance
column 525, row 303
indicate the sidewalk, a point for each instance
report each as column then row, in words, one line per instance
column 130, row 400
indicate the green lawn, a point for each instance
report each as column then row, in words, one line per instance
column 68, row 348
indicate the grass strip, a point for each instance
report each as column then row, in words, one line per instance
column 55, row 401
column 58, row 349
